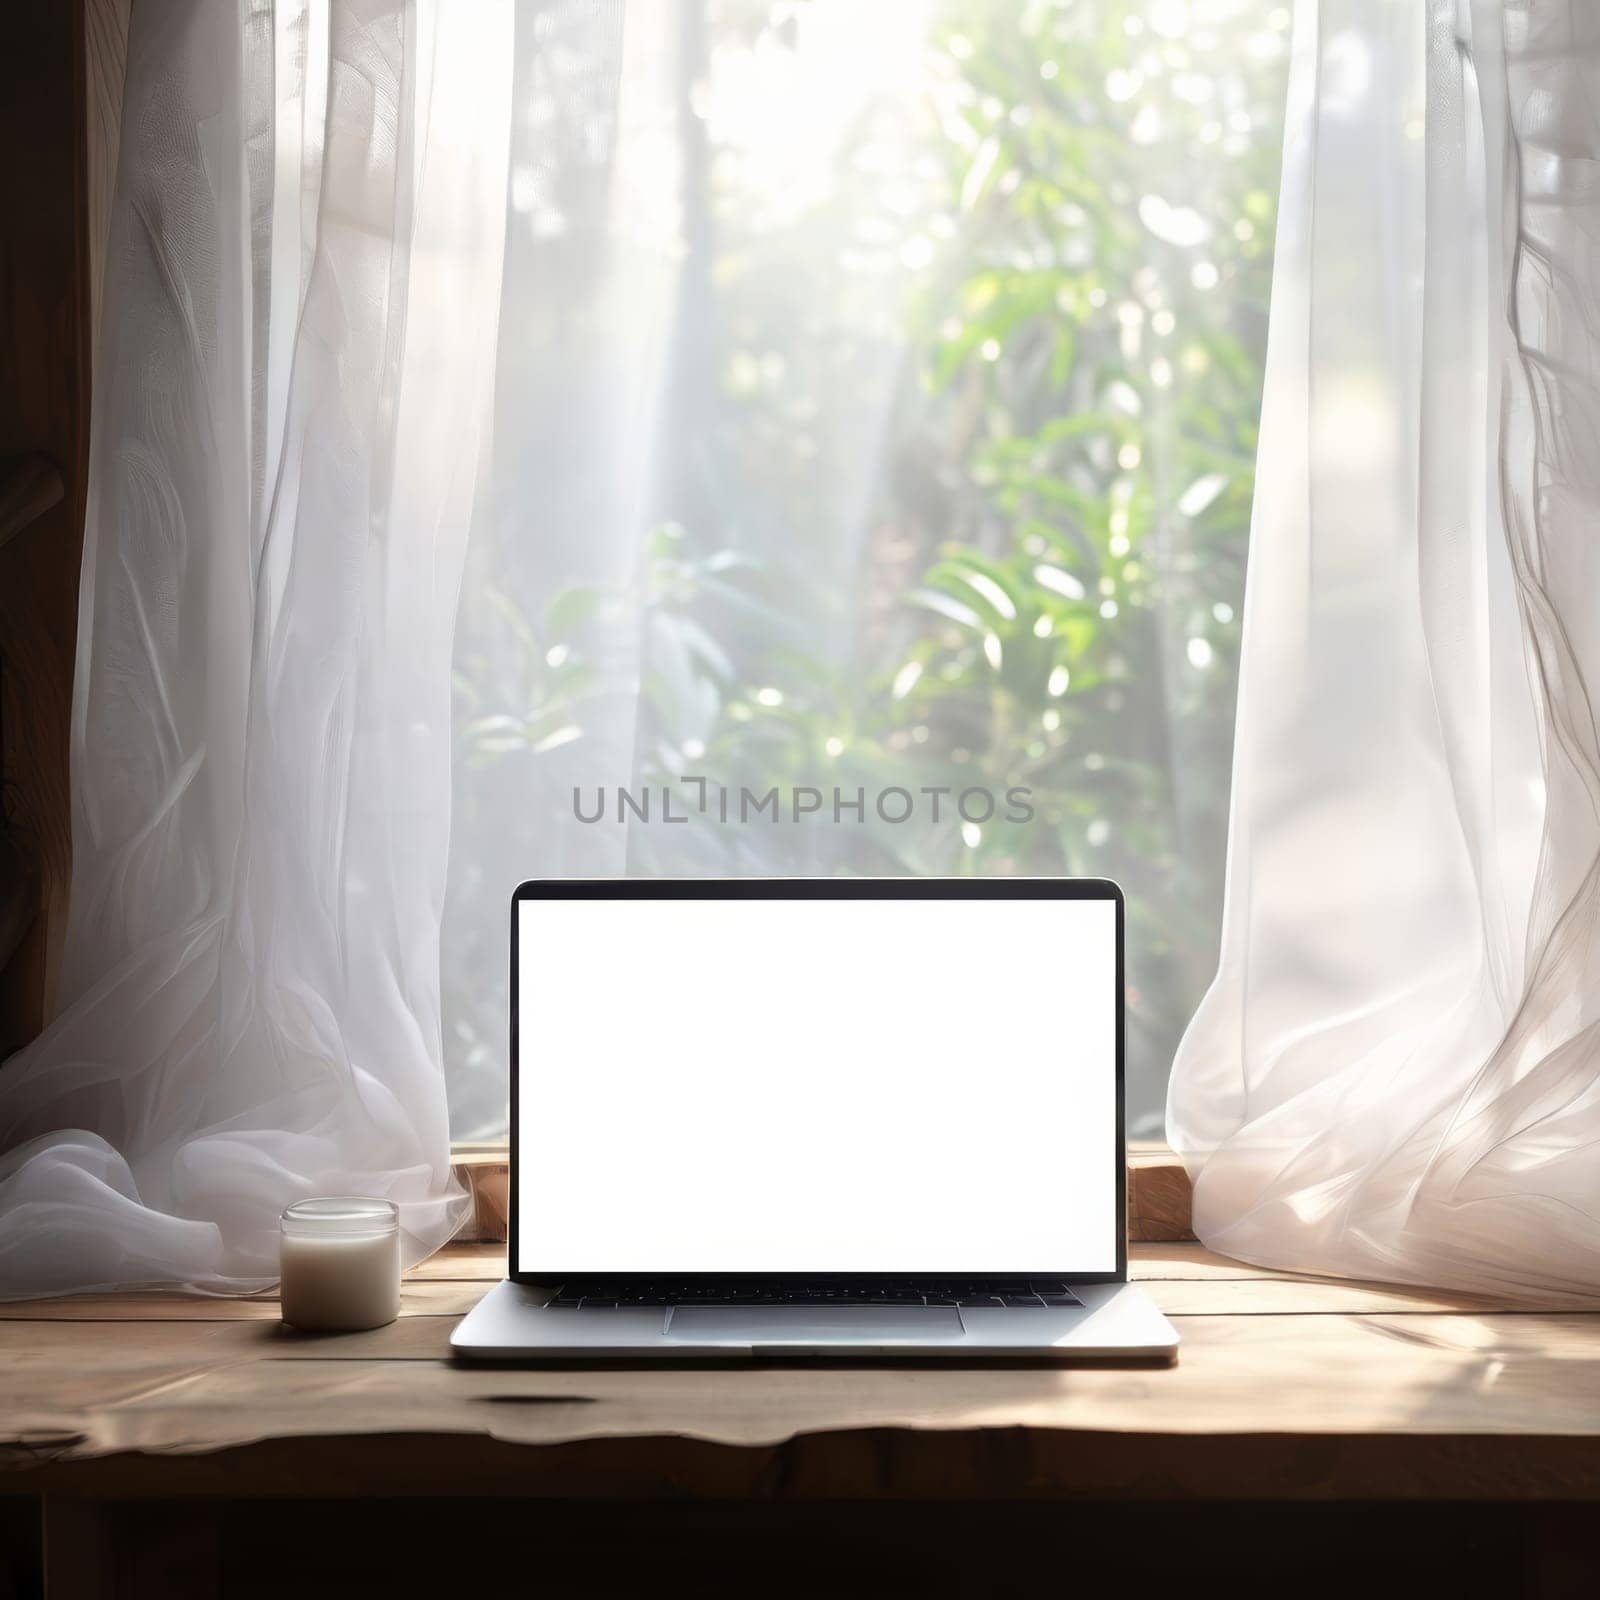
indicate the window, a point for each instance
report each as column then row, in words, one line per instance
column 876, row 416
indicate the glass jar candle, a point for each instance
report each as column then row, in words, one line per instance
column 339, row 1264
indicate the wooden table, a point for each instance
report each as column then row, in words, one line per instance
column 1288, row 1390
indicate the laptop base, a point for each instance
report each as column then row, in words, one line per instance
column 514, row 1323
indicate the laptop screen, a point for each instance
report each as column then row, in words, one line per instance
column 816, row 1085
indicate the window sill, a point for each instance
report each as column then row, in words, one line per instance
column 1158, row 1193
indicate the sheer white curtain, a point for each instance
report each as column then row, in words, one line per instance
column 292, row 392
column 683, row 187
column 1397, row 1072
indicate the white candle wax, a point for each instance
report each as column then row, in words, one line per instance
column 339, row 1264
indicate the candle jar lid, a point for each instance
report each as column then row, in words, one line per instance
column 345, row 1217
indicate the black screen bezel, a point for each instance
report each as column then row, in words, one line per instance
column 1100, row 889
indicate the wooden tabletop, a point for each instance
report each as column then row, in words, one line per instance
column 1285, row 1388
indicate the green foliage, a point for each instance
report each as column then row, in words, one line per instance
column 1048, row 589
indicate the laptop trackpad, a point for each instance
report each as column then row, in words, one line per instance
column 808, row 1325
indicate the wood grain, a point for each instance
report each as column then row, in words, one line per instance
column 44, row 414
column 1287, row 1387
column 1159, row 1194
column 486, row 1176
column 1184, row 1280
column 463, row 1261
column 29, row 486
column 1320, row 1406
column 105, row 67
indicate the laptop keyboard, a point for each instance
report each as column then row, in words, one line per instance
column 606, row 1294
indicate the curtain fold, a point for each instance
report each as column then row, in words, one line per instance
column 1396, row 1073
column 293, row 391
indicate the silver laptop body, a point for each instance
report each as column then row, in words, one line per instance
column 850, row 1118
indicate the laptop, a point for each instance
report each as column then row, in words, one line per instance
column 852, row 1118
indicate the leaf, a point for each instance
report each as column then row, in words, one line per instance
column 510, row 613
column 1064, row 355
column 1201, row 493
column 703, row 645
column 1057, row 491
column 553, row 741
column 1059, row 581
column 905, row 680
column 994, row 594
column 686, row 697
column 1182, row 226
column 498, row 728
column 946, row 606
column 731, row 561
column 996, row 306
column 978, row 173
column 986, row 579
column 570, row 609
column 1059, row 429
column 1122, row 395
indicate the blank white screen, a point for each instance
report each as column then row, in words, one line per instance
column 817, row 1086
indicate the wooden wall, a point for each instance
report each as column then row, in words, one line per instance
column 61, row 71
column 44, row 426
